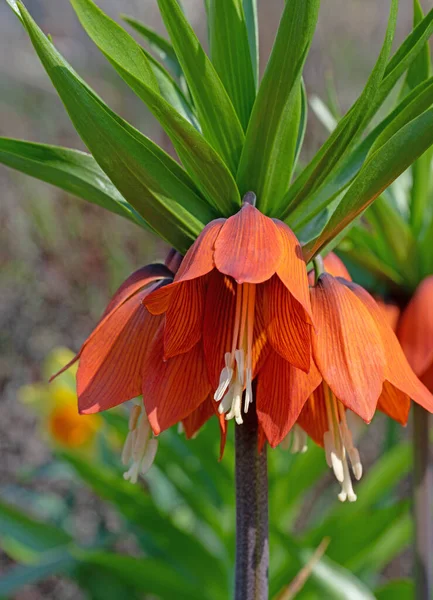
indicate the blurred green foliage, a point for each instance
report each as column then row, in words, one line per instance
column 175, row 536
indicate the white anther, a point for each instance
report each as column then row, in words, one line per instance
column 149, row 456
column 226, row 402
column 236, row 406
column 225, row 378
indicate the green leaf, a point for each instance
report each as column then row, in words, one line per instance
column 419, row 71
column 37, row 536
column 147, row 178
column 302, row 123
column 217, row 117
column 71, row 170
column 411, row 106
column 199, row 158
column 158, row 535
column 171, row 91
column 336, row 582
column 230, row 53
column 329, row 157
column 160, row 45
column 402, row 589
column 420, row 68
column 147, row 575
column 402, row 59
column 250, row 12
column 270, row 146
column 17, row 577
column 378, row 172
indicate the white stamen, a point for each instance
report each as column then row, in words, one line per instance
column 225, row 377
column 139, row 447
column 236, row 405
column 127, row 449
column 338, row 442
column 149, row 457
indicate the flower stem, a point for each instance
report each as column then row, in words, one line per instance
column 423, row 492
column 252, row 544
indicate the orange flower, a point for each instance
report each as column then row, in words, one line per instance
column 362, row 365
column 112, row 361
column 239, row 298
column 415, row 331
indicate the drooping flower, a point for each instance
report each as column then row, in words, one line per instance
column 362, row 366
column 415, row 331
column 240, row 296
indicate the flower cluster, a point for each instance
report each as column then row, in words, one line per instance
column 237, row 324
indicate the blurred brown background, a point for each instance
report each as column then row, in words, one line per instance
column 60, row 258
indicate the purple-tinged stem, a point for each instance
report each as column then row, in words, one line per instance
column 252, row 543
column 423, row 495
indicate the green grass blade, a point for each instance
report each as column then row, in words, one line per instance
column 230, row 53
column 217, row 117
column 270, row 146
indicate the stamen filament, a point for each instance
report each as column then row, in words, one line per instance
column 338, row 442
column 237, row 374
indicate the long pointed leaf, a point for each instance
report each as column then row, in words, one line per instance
column 230, row 53
column 199, row 158
column 160, row 45
column 270, row 146
column 218, row 119
column 165, row 202
column 384, row 165
column 251, row 20
column 327, row 160
column 71, row 170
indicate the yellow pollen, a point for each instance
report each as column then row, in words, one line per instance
column 236, row 376
column 338, row 442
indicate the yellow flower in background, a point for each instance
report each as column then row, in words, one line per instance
column 56, row 406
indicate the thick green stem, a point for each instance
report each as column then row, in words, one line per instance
column 423, row 493
column 252, row 544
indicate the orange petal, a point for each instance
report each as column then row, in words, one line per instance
column 335, row 266
column 332, row 265
column 218, row 323
column 397, row 370
column 415, row 330
column 135, row 282
column 347, row 346
column 394, row 403
column 172, row 389
column 184, row 318
column 287, row 331
column 195, row 421
column 198, row 261
column 282, row 391
column 248, row 247
column 292, row 269
column 390, row 311
column 313, row 418
column 427, row 378
column 111, row 360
